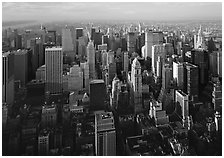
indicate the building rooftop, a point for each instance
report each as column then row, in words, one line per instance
column 96, row 81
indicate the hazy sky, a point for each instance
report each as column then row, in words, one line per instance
column 51, row 11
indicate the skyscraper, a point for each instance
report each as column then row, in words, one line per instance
column 67, row 41
column 54, row 70
column 91, row 59
column 43, row 143
column 21, row 66
column 79, row 32
column 105, row 134
column 148, row 44
column 125, row 61
column 192, row 79
column 115, row 89
column 131, row 42
column 97, row 94
column 157, row 50
column 8, row 78
column 178, row 74
column 166, row 76
column 136, row 79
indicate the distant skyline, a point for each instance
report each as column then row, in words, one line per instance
column 68, row 11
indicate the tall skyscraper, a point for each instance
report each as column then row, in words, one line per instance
column 112, row 71
column 91, row 59
column 192, row 79
column 198, row 39
column 136, row 79
column 21, row 66
column 8, row 78
column 157, row 50
column 67, row 41
column 166, row 76
column 148, row 44
column 131, row 42
column 115, row 89
column 105, row 134
column 125, row 61
column 54, row 70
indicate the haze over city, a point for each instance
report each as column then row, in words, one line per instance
column 42, row 11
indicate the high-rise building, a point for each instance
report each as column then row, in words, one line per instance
column 110, row 57
column 131, row 42
column 8, row 78
column 4, row 114
column 125, row 61
column 79, row 32
column 178, row 74
column 183, row 101
column 49, row 115
column 97, row 38
column 105, row 134
column 192, row 79
column 54, row 70
column 136, row 79
column 21, row 66
column 157, row 50
column 67, row 41
column 97, row 100
column 152, row 38
column 40, row 73
column 217, row 96
column 166, row 76
column 91, row 59
column 198, row 40
column 85, row 70
column 75, row 78
column 115, row 89
column 43, row 142
column 159, row 67
column 112, row 71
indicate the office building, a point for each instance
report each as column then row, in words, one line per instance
column 159, row 66
column 115, row 89
column 125, row 61
column 136, row 80
column 75, row 78
column 40, row 73
column 97, row 100
column 8, row 78
column 97, row 39
column 102, row 47
column 67, row 41
column 178, row 74
column 49, row 115
column 4, row 115
column 217, row 96
column 105, row 134
column 43, row 142
column 192, row 79
column 182, row 101
column 110, row 57
column 91, row 59
column 21, row 66
column 131, row 42
column 79, row 32
column 157, row 50
column 85, row 70
column 112, row 71
column 54, row 70
column 166, row 76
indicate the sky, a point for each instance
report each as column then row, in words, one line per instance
column 56, row 11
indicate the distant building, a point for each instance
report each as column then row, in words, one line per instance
column 67, row 41
column 4, row 115
column 125, row 62
column 217, row 96
column 54, row 69
column 131, row 42
column 79, row 32
column 8, row 78
column 105, row 134
column 166, row 76
column 91, row 59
